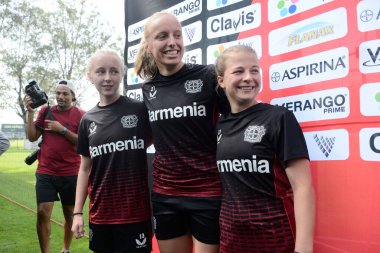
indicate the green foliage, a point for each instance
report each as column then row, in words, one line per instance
column 18, row 205
column 48, row 43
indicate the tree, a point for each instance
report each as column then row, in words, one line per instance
column 47, row 45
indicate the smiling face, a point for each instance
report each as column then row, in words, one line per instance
column 165, row 42
column 241, row 79
column 106, row 73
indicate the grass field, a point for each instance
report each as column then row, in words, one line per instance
column 18, row 205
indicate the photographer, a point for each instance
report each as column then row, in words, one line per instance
column 58, row 162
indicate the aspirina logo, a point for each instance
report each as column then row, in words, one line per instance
column 192, row 33
column 370, row 144
column 328, row 145
column 133, row 78
column 213, row 51
column 320, row 105
column 369, row 56
column 370, row 99
column 216, row 4
column 368, row 15
column 310, row 69
column 236, row 21
column 309, row 32
column 280, row 9
column 186, row 9
column 136, row 31
column 194, row 56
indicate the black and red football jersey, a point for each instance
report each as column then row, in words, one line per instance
column 183, row 109
column 116, row 137
column 253, row 147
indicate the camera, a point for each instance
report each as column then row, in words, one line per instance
column 30, row 159
column 38, row 96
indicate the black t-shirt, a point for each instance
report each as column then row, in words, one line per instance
column 116, row 137
column 183, row 109
column 253, row 148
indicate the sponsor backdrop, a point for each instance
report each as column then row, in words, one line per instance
column 321, row 60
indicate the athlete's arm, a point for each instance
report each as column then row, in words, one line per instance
column 298, row 172
column 80, row 196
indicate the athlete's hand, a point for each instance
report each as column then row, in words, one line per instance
column 78, row 226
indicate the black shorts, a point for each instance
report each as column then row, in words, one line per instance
column 121, row 238
column 48, row 187
column 177, row 216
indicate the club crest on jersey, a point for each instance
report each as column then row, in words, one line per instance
column 254, row 134
column 92, row 129
column 193, row 86
column 152, row 93
column 129, row 121
column 219, row 136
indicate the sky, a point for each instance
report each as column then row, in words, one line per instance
column 111, row 11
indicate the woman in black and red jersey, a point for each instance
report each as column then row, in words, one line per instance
column 183, row 108
column 263, row 161
column 112, row 140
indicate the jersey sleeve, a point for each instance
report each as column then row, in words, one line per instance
column 83, row 143
column 292, row 144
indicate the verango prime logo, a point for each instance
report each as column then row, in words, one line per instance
column 186, row 9
column 328, row 65
column 320, row 105
column 239, row 20
column 309, row 32
column 328, row 145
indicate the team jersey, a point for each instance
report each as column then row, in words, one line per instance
column 57, row 156
column 115, row 137
column 183, row 109
column 254, row 145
